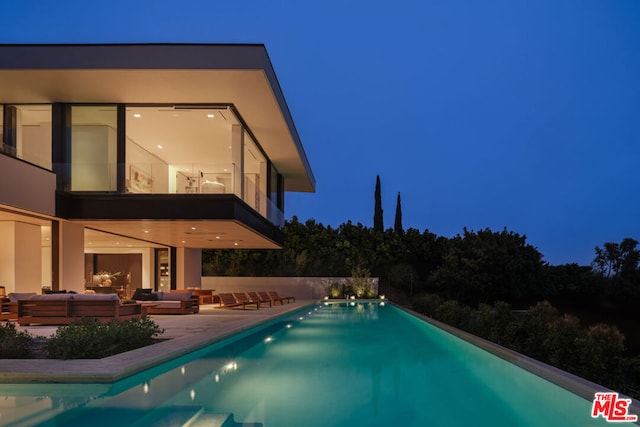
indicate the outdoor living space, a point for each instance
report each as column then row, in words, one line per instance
column 182, row 334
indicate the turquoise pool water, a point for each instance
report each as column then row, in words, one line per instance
column 331, row 365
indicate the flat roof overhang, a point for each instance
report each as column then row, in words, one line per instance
column 220, row 221
column 175, row 74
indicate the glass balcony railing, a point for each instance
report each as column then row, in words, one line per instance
column 274, row 214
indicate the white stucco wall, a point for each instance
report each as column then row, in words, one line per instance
column 188, row 267
column 71, row 254
column 20, row 252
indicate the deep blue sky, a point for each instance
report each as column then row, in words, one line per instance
column 509, row 113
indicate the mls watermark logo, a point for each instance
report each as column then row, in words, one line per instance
column 612, row 408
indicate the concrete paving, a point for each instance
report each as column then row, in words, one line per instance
column 185, row 333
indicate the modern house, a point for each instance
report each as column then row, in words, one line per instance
column 131, row 158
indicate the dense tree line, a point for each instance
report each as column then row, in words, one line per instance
column 474, row 267
column 312, row 249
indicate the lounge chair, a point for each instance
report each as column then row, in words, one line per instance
column 227, row 300
column 255, row 297
column 244, row 298
column 274, row 295
column 265, row 296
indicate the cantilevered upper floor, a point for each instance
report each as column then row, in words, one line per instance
column 185, row 145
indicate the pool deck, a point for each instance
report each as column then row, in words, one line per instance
column 185, row 332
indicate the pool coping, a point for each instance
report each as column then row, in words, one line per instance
column 577, row 385
column 113, row 368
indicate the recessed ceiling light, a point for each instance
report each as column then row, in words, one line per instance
column 159, row 146
column 136, row 115
column 146, row 231
column 210, row 116
column 193, row 228
column 218, row 237
column 235, row 243
column 184, row 241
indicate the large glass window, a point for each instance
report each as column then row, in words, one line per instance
column 255, row 176
column 276, row 198
column 26, row 133
column 273, row 184
column 169, row 150
column 94, row 148
column 180, row 150
column 194, row 149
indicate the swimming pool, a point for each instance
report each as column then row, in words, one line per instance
column 365, row 364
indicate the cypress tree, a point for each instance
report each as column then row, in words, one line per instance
column 397, row 225
column 377, row 214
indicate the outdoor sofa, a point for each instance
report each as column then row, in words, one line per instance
column 8, row 309
column 10, row 304
column 205, row 296
column 64, row 308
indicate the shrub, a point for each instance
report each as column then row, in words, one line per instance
column 14, row 344
column 335, row 290
column 454, row 314
column 89, row 339
column 494, row 322
column 361, row 283
column 602, row 355
column 561, row 344
column 535, row 328
column 427, row 304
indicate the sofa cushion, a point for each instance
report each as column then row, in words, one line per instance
column 176, row 296
column 52, row 297
column 15, row 296
column 96, row 297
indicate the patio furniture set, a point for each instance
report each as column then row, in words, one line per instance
column 62, row 308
